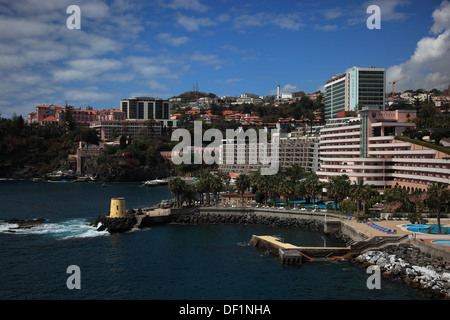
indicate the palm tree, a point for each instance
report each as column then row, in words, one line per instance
column 242, row 183
column 338, row 188
column 313, row 186
column 216, row 186
column 177, row 186
column 206, row 180
column 438, row 194
column 287, row 190
column 360, row 192
column 225, row 177
column 190, row 194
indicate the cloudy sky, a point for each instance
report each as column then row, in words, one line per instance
column 163, row 47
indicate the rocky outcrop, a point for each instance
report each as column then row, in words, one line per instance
column 23, row 224
column 115, row 225
column 409, row 265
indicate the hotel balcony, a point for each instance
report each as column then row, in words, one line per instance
column 403, row 152
column 352, row 134
column 341, row 146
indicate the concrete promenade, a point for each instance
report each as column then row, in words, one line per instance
column 365, row 237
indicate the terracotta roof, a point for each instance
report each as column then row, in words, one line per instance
column 50, row 118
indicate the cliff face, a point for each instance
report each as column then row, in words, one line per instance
column 112, row 173
column 130, row 174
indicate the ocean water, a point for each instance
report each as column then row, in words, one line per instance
column 167, row 262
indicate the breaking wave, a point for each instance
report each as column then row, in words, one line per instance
column 75, row 228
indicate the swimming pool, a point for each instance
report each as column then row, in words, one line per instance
column 432, row 228
column 442, row 242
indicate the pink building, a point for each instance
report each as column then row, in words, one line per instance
column 112, row 129
column 364, row 147
column 54, row 114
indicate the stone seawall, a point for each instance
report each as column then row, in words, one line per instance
column 251, row 218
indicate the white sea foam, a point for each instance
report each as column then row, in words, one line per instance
column 76, row 228
column 4, row 227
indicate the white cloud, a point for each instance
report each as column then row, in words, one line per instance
column 389, row 10
column 327, row 27
column 193, row 24
column 173, row 41
column 207, row 59
column 290, row 21
column 330, row 14
column 441, row 18
column 45, row 63
column 86, row 96
column 194, row 5
column 86, row 70
column 233, row 81
column 429, row 66
column 289, row 88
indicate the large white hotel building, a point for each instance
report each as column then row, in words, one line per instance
column 369, row 147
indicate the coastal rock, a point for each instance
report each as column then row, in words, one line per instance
column 114, row 225
column 25, row 224
column 425, row 276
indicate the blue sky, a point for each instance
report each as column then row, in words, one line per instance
column 162, row 48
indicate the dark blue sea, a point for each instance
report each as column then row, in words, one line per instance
column 210, row 262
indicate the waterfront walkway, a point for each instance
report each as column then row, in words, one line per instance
column 396, row 225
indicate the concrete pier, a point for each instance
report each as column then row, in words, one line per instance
column 291, row 254
column 287, row 253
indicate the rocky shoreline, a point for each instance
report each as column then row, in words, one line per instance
column 430, row 275
column 17, row 224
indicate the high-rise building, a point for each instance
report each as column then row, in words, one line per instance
column 146, row 108
column 359, row 87
column 295, row 147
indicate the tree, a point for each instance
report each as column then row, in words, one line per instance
column 287, row 190
column 123, row 142
column 68, row 118
column 216, row 187
column 90, row 136
column 313, row 186
column 437, row 136
column 438, row 194
column 338, row 188
column 206, row 180
column 242, row 183
column 177, row 186
column 190, row 195
column 394, row 194
column 360, row 193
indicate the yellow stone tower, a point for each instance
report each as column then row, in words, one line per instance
column 117, row 208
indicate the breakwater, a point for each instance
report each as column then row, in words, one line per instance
column 266, row 220
column 430, row 275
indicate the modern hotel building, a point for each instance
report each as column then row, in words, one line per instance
column 294, row 148
column 357, row 87
column 369, row 147
column 146, row 108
